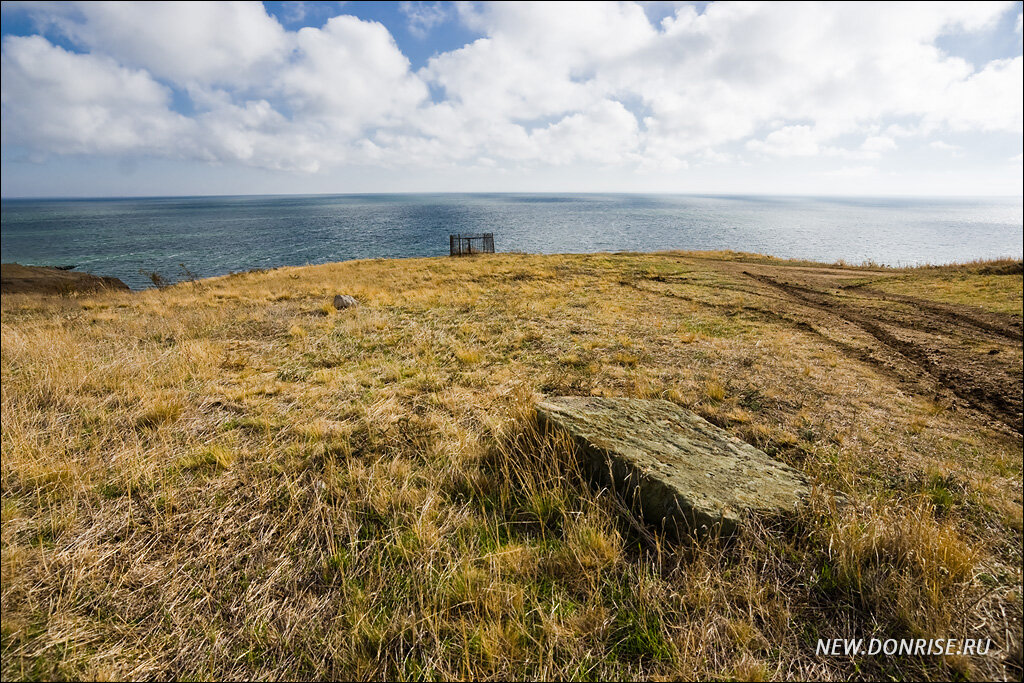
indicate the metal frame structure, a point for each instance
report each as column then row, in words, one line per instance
column 463, row 245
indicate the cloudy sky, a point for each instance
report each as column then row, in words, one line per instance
column 118, row 99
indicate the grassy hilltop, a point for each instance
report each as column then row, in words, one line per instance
column 230, row 479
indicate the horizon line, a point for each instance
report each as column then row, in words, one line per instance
column 509, row 192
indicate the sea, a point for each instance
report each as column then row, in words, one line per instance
column 183, row 237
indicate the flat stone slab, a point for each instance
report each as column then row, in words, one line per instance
column 684, row 473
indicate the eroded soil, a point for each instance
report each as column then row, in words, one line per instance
column 960, row 354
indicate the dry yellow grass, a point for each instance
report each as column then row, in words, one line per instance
column 230, row 479
column 995, row 286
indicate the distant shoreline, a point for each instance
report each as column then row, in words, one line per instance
column 18, row 279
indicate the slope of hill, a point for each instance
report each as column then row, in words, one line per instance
column 232, row 479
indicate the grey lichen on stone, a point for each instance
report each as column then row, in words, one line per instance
column 681, row 471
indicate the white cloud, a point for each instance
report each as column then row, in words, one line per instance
column 548, row 84
column 59, row 102
column 706, row 80
column 878, row 144
column 789, row 141
column 319, row 93
column 204, row 42
column 349, row 75
column 605, row 133
column 295, row 11
column 423, row 17
column 990, row 100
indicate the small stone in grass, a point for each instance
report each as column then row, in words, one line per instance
column 342, row 301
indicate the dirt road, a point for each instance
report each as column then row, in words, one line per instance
column 960, row 352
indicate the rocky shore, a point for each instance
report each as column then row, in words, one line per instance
column 19, row 279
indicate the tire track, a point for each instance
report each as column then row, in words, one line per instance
column 989, row 389
column 951, row 315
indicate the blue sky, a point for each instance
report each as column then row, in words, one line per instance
column 419, row 39
column 288, row 97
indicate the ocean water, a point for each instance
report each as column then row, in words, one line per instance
column 217, row 235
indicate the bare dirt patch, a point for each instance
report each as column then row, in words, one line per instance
column 975, row 355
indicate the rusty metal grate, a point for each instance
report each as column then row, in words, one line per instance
column 462, row 245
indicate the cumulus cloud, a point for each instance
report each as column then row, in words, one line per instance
column 702, row 80
column 606, row 133
column 200, row 42
column 989, row 100
column 548, row 83
column 261, row 95
column 57, row 101
column 348, row 75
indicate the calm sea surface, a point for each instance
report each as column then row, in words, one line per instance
column 217, row 235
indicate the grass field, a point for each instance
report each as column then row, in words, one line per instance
column 230, row 479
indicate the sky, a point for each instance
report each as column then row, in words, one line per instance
column 197, row 98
